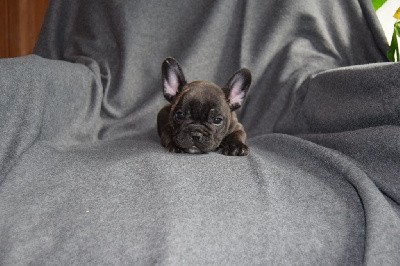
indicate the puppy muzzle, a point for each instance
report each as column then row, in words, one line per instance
column 195, row 139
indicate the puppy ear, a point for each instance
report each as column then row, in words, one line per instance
column 172, row 78
column 237, row 87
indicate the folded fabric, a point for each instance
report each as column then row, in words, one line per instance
column 84, row 179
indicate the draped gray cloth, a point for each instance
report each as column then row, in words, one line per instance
column 84, row 179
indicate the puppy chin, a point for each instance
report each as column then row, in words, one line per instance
column 186, row 144
column 193, row 150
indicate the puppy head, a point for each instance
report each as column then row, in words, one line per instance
column 201, row 111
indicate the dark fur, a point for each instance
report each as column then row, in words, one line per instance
column 190, row 123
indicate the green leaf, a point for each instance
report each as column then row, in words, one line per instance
column 397, row 28
column 393, row 53
column 378, row 3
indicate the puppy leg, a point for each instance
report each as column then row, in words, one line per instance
column 233, row 144
column 166, row 140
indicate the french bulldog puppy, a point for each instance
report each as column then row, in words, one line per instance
column 200, row 117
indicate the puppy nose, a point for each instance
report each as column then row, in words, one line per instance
column 196, row 136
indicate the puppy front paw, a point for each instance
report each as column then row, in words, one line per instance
column 167, row 142
column 171, row 147
column 234, row 148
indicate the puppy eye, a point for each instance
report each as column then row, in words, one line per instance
column 179, row 115
column 217, row 120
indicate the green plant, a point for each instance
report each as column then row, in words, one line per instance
column 378, row 3
column 393, row 53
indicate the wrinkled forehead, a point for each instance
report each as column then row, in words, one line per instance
column 202, row 94
column 201, row 98
column 203, row 91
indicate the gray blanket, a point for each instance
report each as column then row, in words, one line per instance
column 85, row 181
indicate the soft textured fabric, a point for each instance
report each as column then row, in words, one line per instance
column 85, row 181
